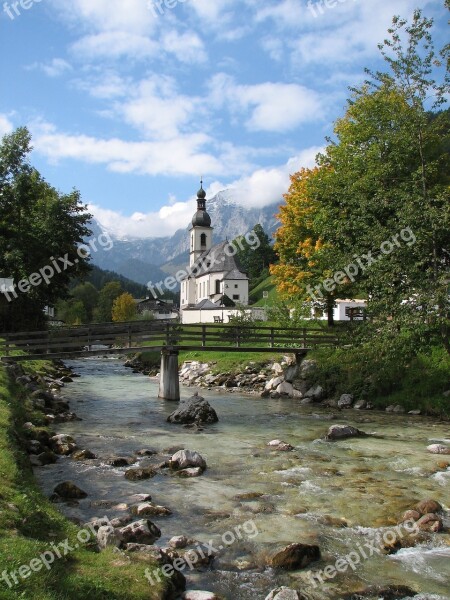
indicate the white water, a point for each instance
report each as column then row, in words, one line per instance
column 308, row 493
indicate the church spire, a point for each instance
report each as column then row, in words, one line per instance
column 201, row 217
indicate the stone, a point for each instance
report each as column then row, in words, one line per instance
column 316, row 393
column 431, row 523
column 184, row 459
column 360, row 405
column 146, row 452
column 428, row 506
column 277, row 368
column 63, row 444
column 150, row 509
column 345, row 401
column 199, row 595
column 179, row 541
column 410, row 515
column 120, row 461
column 83, row 455
column 140, row 532
column 285, row 389
column 191, row 472
column 67, row 489
column 438, row 449
column 393, row 592
column 284, row 593
column 415, row 412
column 139, row 474
column 295, row 556
column 280, row 445
column 340, row 432
column 43, row 459
column 108, row 536
column 291, row 373
column 194, row 410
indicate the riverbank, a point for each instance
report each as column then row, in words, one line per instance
column 337, row 495
column 43, row 555
column 326, row 376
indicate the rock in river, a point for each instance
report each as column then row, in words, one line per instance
column 340, row 432
column 184, row 459
column 194, row 410
column 140, row 532
column 295, row 556
column 69, row 490
column 438, row 449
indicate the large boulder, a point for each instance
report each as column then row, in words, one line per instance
column 63, row 444
column 194, row 410
column 316, row 393
column 140, row 473
column 427, row 506
column 295, row 556
column 149, row 509
column 285, row 389
column 341, row 432
column 284, row 593
column 70, row 491
column 185, row 459
column 108, row 536
column 345, row 401
column 140, row 532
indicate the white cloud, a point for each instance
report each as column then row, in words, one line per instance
column 55, row 68
column 272, row 106
column 6, row 125
column 186, row 47
column 139, row 225
column 261, row 188
column 115, row 44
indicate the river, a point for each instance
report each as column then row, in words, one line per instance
column 337, row 495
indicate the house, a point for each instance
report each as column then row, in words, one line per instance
column 215, row 284
column 344, row 310
column 158, row 309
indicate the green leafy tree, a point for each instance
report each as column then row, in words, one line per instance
column 40, row 228
column 71, row 311
column 255, row 260
column 88, row 295
column 106, row 297
column 387, row 173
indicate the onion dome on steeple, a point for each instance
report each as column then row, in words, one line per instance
column 201, row 217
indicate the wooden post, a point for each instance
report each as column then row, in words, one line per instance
column 169, row 383
column 203, row 336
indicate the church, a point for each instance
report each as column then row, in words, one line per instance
column 215, row 284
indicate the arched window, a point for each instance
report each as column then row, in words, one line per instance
column 217, row 286
column 203, row 240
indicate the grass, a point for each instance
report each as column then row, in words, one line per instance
column 29, row 523
column 268, row 285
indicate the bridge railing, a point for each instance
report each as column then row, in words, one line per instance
column 157, row 335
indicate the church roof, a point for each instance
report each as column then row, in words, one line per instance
column 219, row 260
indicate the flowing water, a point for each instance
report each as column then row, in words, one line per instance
column 338, row 495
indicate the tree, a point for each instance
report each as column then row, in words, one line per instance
column 40, row 232
column 88, row 295
column 106, row 297
column 71, row 311
column 124, row 308
column 255, row 260
column 298, row 245
column 387, row 172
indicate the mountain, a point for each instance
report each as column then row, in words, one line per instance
column 151, row 259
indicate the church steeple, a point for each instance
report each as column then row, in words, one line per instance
column 201, row 217
column 201, row 231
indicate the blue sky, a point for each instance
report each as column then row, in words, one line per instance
column 130, row 101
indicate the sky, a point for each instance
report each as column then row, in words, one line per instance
column 132, row 101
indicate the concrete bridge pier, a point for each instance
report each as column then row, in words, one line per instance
column 169, row 382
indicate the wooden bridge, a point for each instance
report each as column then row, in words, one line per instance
column 167, row 338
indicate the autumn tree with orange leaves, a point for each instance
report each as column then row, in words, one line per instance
column 301, row 250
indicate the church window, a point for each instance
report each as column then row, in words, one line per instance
column 203, row 240
column 217, row 286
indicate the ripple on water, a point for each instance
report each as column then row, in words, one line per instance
column 432, row 562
